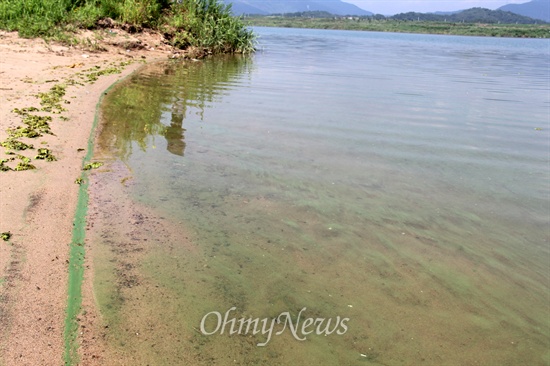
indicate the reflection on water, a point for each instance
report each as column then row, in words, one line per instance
column 408, row 194
column 138, row 114
column 174, row 134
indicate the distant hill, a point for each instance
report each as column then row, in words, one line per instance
column 473, row 15
column 240, row 8
column 308, row 14
column 538, row 9
column 265, row 7
column 446, row 12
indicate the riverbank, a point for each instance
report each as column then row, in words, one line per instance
column 58, row 88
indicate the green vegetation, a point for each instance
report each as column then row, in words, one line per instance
column 205, row 24
column 381, row 24
column 5, row 236
column 35, row 125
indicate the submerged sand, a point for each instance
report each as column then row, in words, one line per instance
column 37, row 206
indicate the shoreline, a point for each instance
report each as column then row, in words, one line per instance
column 38, row 206
column 78, row 259
column 444, row 29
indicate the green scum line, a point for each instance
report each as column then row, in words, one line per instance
column 77, row 251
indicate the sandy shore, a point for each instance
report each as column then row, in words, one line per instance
column 38, row 206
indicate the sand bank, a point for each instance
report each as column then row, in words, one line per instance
column 37, row 206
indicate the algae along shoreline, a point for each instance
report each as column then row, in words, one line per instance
column 77, row 255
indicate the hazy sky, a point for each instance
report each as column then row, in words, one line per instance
column 388, row 7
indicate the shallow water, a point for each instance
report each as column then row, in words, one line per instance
column 400, row 181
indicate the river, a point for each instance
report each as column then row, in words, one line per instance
column 385, row 196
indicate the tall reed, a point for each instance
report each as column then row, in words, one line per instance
column 207, row 24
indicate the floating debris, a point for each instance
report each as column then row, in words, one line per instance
column 24, row 166
column 45, row 154
column 93, row 165
column 51, row 101
column 3, row 167
column 24, row 159
column 74, row 82
column 93, row 76
column 23, row 132
column 39, row 123
column 25, row 111
column 16, row 145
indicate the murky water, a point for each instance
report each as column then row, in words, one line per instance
column 400, row 181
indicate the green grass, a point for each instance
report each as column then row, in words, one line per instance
column 205, row 24
column 425, row 27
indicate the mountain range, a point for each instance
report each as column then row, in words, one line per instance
column 473, row 15
column 536, row 9
column 265, row 7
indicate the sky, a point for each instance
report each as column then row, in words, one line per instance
column 390, row 7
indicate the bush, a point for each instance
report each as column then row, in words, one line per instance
column 205, row 24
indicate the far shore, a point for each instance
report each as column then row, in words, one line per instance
column 37, row 206
column 418, row 27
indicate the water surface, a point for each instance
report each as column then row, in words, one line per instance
column 398, row 180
